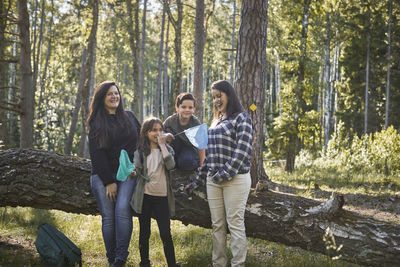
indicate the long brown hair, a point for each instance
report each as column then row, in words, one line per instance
column 233, row 106
column 97, row 121
column 144, row 143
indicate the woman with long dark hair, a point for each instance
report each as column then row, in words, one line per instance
column 226, row 169
column 112, row 129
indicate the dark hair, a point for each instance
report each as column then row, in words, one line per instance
column 144, row 144
column 233, row 106
column 184, row 96
column 98, row 121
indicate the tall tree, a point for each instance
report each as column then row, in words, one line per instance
column 89, row 65
column 177, row 24
column 133, row 32
column 233, row 41
column 165, row 73
column 199, row 37
column 328, row 81
column 27, row 91
column 299, row 101
column 388, row 66
column 250, row 74
column 367, row 72
column 77, row 106
column 141, row 61
column 4, row 11
column 157, row 96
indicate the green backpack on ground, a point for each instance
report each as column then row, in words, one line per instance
column 55, row 248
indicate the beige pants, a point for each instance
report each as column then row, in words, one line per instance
column 227, row 203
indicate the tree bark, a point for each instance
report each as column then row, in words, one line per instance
column 300, row 104
column 177, row 24
column 165, row 75
column 4, row 9
column 387, row 102
column 89, row 65
column 133, row 43
column 327, row 83
column 199, row 39
column 367, row 74
column 250, row 75
column 141, row 62
column 48, row 180
column 27, row 90
column 77, row 106
column 158, row 94
column 46, row 64
column 233, row 34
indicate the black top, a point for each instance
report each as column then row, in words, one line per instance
column 105, row 161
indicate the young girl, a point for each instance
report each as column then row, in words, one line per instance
column 153, row 194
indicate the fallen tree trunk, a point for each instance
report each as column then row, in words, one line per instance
column 48, row 180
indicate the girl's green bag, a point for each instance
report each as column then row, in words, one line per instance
column 125, row 166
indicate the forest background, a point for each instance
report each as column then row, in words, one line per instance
column 330, row 96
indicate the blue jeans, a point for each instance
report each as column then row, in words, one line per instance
column 116, row 217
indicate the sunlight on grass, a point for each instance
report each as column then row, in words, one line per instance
column 336, row 179
column 192, row 243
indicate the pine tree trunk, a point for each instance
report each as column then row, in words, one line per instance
column 36, row 62
column 27, row 93
column 157, row 96
column 4, row 9
column 177, row 24
column 133, row 31
column 165, row 76
column 48, row 180
column 141, row 62
column 46, row 64
column 250, row 75
column 387, row 102
column 77, row 106
column 367, row 76
column 199, row 37
column 231, row 69
column 89, row 64
column 327, row 83
column 300, row 105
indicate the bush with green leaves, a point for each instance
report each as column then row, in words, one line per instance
column 378, row 152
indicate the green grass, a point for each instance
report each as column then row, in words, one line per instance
column 331, row 178
column 192, row 244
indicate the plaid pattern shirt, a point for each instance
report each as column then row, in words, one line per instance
column 230, row 144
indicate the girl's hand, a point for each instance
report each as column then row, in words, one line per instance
column 162, row 139
column 111, row 191
column 133, row 174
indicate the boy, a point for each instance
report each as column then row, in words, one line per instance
column 187, row 157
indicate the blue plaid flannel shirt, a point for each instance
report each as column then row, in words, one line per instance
column 230, row 144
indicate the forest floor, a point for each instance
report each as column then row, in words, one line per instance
column 380, row 206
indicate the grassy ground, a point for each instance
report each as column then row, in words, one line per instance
column 18, row 230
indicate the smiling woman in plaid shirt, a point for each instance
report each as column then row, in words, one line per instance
column 226, row 168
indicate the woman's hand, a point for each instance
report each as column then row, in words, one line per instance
column 111, row 191
column 190, row 187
